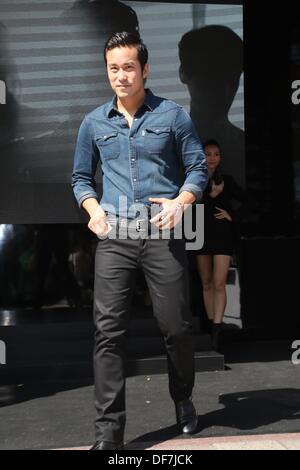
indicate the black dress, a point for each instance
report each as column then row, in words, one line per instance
column 220, row 234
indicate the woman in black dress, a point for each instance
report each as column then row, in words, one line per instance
column 213, row 260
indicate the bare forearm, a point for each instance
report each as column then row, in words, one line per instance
column 91, row 205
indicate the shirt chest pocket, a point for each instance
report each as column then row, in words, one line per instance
column 109, row 145
column 157, row 139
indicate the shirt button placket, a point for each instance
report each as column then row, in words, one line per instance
column 133, row 168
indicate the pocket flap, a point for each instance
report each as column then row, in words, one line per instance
column 107, row 136
column 158, row 130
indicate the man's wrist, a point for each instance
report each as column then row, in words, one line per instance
column 180, row 205
column 98, row 212
column 185, row 199
column 92, row 207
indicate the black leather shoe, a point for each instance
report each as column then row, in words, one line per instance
column 186, row 415
column 104, row 445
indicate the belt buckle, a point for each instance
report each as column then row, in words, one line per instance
column 139, row 225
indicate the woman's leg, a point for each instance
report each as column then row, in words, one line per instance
column 205, row 270
column 220, row 272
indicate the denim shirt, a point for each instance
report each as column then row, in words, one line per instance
column 138, row 162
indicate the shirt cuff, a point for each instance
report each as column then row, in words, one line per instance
column 85, row 196
column 192, row 188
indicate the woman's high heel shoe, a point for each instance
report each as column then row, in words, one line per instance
column 215, row 336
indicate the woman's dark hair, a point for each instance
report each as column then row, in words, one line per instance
column 211, row 142
column 127, row 39
column 217, row 176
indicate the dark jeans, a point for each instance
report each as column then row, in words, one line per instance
column 165, row 268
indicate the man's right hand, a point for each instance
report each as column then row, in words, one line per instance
column 98, row 222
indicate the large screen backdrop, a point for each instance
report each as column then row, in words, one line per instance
column 52, row 74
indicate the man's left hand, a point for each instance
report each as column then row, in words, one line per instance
column 170, row 215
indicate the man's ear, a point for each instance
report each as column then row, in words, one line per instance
column 182, row 75
column 145, row 71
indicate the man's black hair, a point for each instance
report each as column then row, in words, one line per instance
column 127, row 39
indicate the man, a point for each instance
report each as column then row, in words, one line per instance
column 141, row 140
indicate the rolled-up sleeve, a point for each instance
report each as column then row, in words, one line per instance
column 191, row 152
column 86, row 159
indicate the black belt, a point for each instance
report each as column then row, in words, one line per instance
column 140, row 225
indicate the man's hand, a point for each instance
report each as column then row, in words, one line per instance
column 98, row 222
column 170, row 215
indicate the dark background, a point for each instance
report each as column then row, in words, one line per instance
column 51, row 60
column 269, row 250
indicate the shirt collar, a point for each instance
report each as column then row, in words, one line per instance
column 148, row 102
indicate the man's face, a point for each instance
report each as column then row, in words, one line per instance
column 124, row 71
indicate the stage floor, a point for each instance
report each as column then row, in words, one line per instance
column 257, row 394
